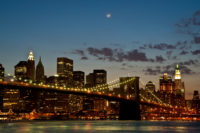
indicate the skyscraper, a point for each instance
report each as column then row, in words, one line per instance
column 2, row 71
column 179, row 85
column 100, row 77
column 31, row 66
column 65, row 69
column 78, row 78
column 21, row 71
column 166, row 84
column 90, row 80
column 40, row 72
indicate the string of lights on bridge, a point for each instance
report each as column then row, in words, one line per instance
column 100, row 90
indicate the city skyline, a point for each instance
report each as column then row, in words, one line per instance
column 120, row 37
column 25, row 72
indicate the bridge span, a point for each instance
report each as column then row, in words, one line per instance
column 130, row 106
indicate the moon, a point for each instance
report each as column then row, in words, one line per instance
column 108, row 15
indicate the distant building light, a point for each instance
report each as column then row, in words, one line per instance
column 56, row 75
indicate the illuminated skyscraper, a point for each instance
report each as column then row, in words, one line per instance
column 179, row 85
column 65, row 69
column 21, row 71
column 40, row 72
column 31, row 66
column 177, row 73
column 166, row 84
column 2, row 71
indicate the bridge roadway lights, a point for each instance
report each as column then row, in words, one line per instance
column 129, row 110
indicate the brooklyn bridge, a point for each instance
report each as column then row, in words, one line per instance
column 133, row 103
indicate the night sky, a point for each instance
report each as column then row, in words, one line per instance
column 142, row 38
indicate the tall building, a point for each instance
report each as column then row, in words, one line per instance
column 196, row 101
column 40, row 72
column 166, row 84
column 75, row 103
column 2, row 71
column 166, row 88
column 90, row 80
column 78, row 79
column 21, row 71
column 65, row 69
column 179, row 85
column 100, row 77
column 31, row 66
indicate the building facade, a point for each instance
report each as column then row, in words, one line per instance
column 90, row 80
column 21, row 71
column 78, row 79
column 65, row 69
column 100, row 77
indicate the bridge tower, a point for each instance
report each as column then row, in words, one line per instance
column 130, row 109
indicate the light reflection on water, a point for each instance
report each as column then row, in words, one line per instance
column 100, row 126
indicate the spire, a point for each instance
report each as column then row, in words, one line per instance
column 40, row 71
column 31, row 57
column 40, row 62
column 177, row 66
column 177, row 72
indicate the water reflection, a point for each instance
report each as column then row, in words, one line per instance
column 100, row 126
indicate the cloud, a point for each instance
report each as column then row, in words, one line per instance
column 162, row 46
column 168, row 53
column 118, row 54
column 150, row 71
column 160, row 59
column 170, row 69
column 189, row 62
column 191, row 26
column 186, row 70
column 84, row 58
column 79, row 52
column 135, row 55
column 104, row 51
column 196, row 52
column 187, row 22
column 196, row 18
column 183, row 52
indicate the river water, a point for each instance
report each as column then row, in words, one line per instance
column 100, row 127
